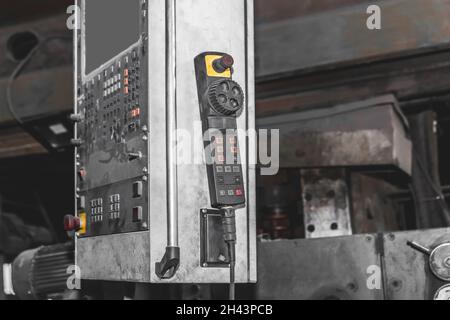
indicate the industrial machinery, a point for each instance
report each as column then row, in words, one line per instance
column 42, row 273
column 144, row 213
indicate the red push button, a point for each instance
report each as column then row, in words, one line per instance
column 239, row 192
column 72, row 223
column 222, row 64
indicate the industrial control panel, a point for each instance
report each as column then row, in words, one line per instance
column 112, row 102
column 143, row 68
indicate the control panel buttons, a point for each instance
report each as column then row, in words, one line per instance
column 138, row 214
column 72, row 223
column 81, row 202
column 137, row 189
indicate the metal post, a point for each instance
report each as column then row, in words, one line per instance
column 169, row 264
column 171, row 114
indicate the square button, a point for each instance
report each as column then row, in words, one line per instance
column 82, row 202
column 228, row 169
column 137, row 189
column 231, row 192
column 236, row 169
column 219, row 169
column 222, row 193
column 137, row 214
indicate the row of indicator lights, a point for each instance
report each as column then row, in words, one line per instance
column 114, row 207
column 219, row 140
column 111, row 81
column 96, row 219
column 112, row 216
column 112, row 85
column 126, row 81
column 135, row 113
column 221, row 158
column 228, row 169
column 97, row 202
column 114, row 198
column 95, row 211
column 233, row 149
column 237, row 192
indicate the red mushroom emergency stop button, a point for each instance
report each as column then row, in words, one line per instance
column 224, row 63
column 72, row 223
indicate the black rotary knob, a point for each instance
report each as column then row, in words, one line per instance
column 226, row 97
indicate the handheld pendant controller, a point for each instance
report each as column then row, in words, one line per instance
column 221, row 103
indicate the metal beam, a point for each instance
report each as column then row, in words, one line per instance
column 38, row 93
column 340, row 36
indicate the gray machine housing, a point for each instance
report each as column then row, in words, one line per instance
column 114, row 245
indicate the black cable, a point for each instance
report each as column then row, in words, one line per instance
column 440, row 196
column 232, row 254
column 229, row 235
column 20, row 68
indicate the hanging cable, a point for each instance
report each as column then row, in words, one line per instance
column 229, row 235
column 440, row 198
